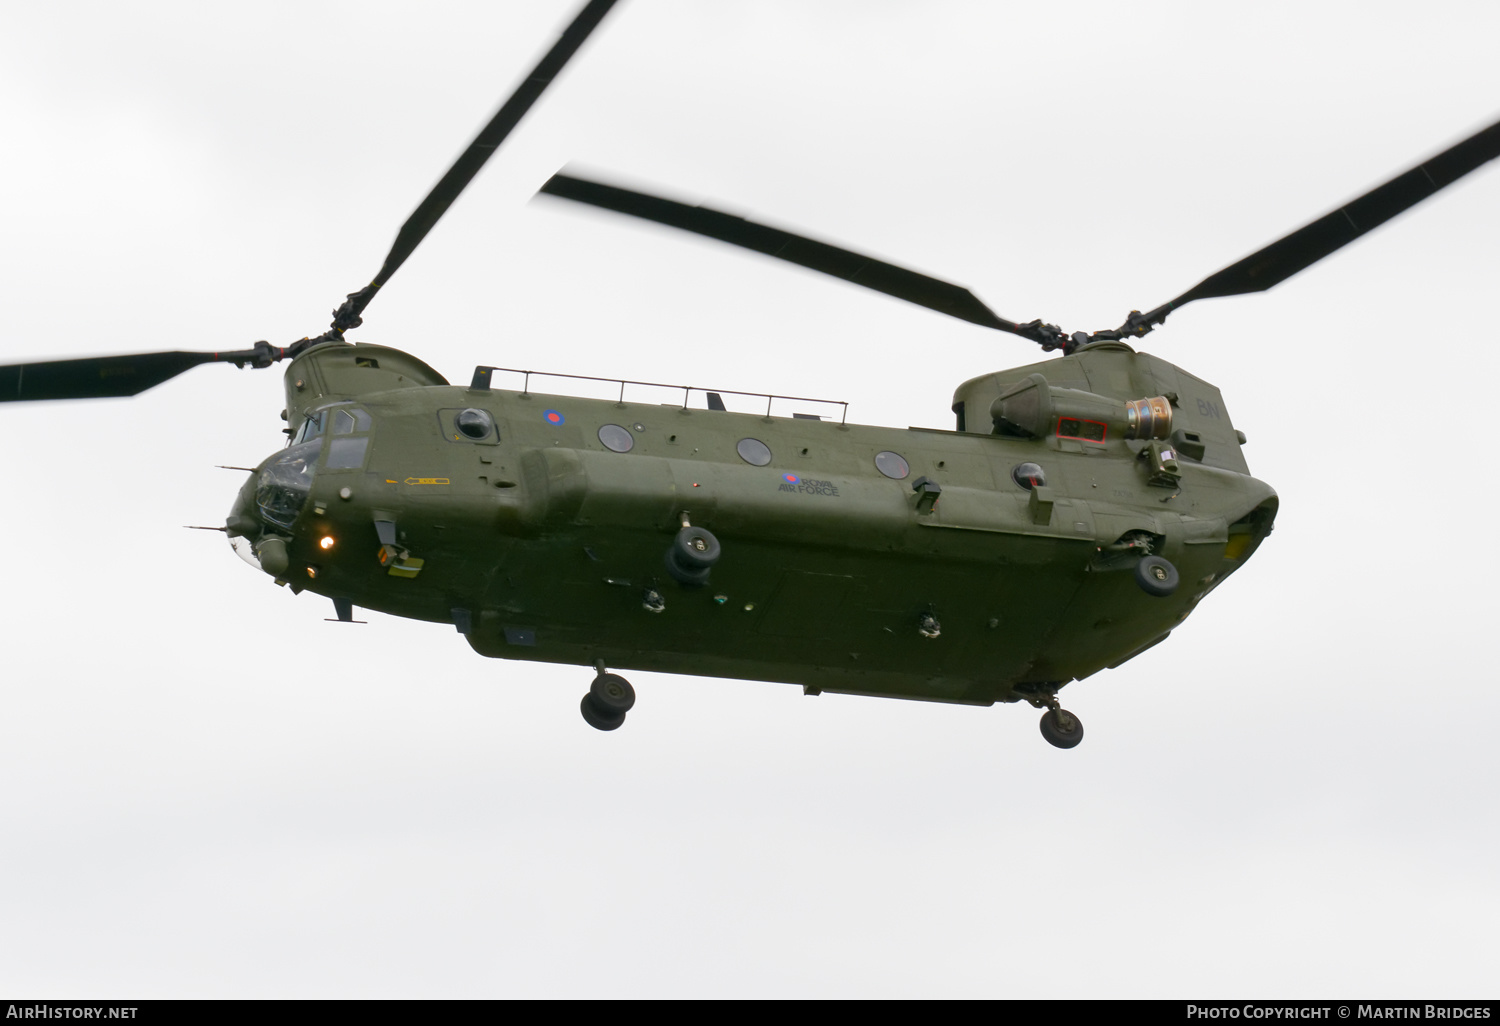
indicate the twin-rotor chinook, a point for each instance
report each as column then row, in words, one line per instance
column 1078, row 511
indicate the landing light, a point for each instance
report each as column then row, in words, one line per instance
column 326, row 542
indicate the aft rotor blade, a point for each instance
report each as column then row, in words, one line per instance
column 933, row 293
column 100, row 377
column 472, row 159
column 1307, row 245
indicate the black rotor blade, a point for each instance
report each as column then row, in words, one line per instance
column 933, row 293
column 1307, row 245
column 100, row 377
column 472, row 159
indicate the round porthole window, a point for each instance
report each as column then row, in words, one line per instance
column 474, row 423
column 616, row 438
column 892, row 465
column 1028, row 476
column 753, row 451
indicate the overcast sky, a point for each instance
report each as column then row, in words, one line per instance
column 206, row 790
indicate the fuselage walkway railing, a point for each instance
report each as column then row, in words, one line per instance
column 713, row 397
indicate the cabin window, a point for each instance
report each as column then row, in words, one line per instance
column 753, row 451
column 1029, row 476
column 892, row 465
column 474, row 423
column 616, row 439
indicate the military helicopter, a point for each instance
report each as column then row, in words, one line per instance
column 1079, row 510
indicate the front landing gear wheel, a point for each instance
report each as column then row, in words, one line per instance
column 599, row 718
column 1061, row 728
column 612, row 693
column 609, row 698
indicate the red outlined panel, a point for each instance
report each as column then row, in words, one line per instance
column 1081, row 430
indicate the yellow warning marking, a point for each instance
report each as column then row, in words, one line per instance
column 427, row 480
column 408, row 567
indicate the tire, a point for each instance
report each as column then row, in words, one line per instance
column 612, row 694
column 695, row 548
column 1156, row 576
column 1054, row 733
column 690, row 576
column 597, row 718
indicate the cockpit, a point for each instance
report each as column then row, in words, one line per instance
column 284, row 482
column 339, row 419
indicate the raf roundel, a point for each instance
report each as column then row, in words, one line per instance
column 553, row 417
column 790, row 478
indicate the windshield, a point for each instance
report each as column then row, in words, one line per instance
column 285, row 482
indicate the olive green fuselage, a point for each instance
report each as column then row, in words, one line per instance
column 544, row 544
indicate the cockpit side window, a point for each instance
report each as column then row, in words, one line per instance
column 350, row 430
column 350, row 421
column 311, row 428
column 347, row 453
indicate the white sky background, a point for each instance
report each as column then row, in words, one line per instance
column 205, row 790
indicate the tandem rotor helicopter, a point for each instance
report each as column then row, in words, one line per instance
column 1076, row 512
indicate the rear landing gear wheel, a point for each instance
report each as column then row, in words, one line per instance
column 1156, row 576
column 609, row 698
column 1061, row 728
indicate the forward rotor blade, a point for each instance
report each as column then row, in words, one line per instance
column 942, row 296
column 1307, row 245
column 100, row 377
column 472, row 159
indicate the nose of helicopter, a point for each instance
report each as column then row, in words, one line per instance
column 267, row 505
column 243, row 528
